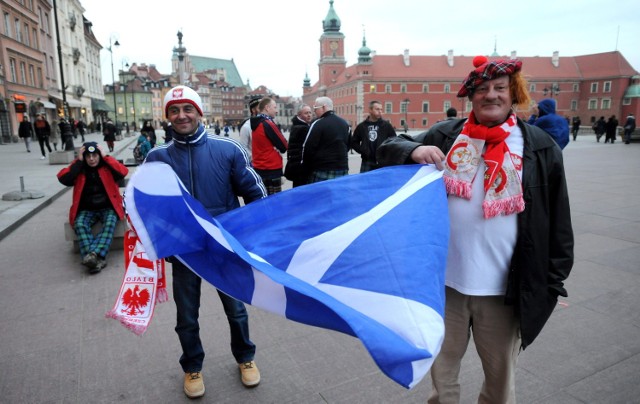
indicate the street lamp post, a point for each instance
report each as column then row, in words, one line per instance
column 113, row 78
column 128, row 77
column 406, row 109
column 553, row 90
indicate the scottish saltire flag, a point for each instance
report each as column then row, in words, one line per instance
column 363, row 254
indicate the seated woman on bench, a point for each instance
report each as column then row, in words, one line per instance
column 96, row 198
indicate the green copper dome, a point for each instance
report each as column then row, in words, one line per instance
column 633, row 91
column 331, row 22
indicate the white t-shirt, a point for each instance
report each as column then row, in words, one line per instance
column 480, row 249
column 245, row 136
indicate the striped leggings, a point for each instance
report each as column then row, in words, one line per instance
column 101, row 242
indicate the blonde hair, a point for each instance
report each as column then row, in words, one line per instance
column 518, row 91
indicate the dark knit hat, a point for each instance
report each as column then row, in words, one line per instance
column 91, row 147
column 254, row 102
column 485, row 71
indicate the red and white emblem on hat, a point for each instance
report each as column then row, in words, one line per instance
column 177, row 93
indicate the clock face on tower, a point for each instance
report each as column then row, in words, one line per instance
column 333, row 45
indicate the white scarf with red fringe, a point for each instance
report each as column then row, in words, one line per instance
column 144, row 284
column 502, row 182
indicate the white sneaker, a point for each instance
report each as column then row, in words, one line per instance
column 42, row 158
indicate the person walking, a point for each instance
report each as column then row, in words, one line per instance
column 267, row 144
column 325, row 150
column 629, row 127
column 610, row 129
column 511, row 239
column 96, row 198
column 25, row 132
column 216, row 171
column 109, row 134
column 43, row 131
column 575, row 127
column 55, row 134
column 369, row 134
column 599, row 127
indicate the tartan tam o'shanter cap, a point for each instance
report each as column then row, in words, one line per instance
column 487, row 70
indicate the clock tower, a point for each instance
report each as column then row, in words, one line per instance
column 332, row 62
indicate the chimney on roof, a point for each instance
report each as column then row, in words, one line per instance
column 513, row 55
column 555, row 59
column 405, row 58
column 450, row 57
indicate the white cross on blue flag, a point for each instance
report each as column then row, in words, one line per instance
column 363, row 254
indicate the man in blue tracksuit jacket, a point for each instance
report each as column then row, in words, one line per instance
column 216, row 171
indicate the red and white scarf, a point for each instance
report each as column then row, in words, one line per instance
column 502, row 183
column 144, row 284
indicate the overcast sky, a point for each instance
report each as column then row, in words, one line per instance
column 275, row 43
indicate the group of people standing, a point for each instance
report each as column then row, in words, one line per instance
column 511, row 243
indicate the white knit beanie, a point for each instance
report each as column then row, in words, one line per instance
column 182, row 94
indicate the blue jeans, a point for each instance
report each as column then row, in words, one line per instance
column 186, row 293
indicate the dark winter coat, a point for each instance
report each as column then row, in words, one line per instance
column 368, row 135
column 553, row 124
column 543, row 254
column 327, row 144
column 25, row 129
column 294, row 170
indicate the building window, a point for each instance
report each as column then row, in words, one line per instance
column 532, row 88
column 23, row 73
column 18, row 32
column 40, row 80
column 7, row 25
column 372, row 88
column 387, row 88
column 388, row 107
column 606, row 103
column 34, row 38
column 626, row 101
column 32, row 76
column 594, row 87
column 593, row 104
column 26, row 35
column 425, row 121
column 574, row 105
column 606, row 87
column 12, row 67
column 425, row 107
column 403, row 88
column 447, row 88
column 447, row 105
column 425, row 88
column 576, row 87
column 404, row 105
column 46, row 23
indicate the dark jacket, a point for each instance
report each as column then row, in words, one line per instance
column 543, row 255
column 553, row 124
column 368, row 135
column 110, row 171
column 25, row 129
column 42, row 128
column 327, row 144
column 109, row 132
column 215, row 170
column 294, row 170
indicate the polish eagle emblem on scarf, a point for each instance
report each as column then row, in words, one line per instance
column 135, row 300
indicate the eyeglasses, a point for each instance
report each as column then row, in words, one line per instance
column 318, row 106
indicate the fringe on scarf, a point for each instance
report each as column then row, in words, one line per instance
column 135, row 328
column 506, row 206
column 457, row 187
column 162, row 295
